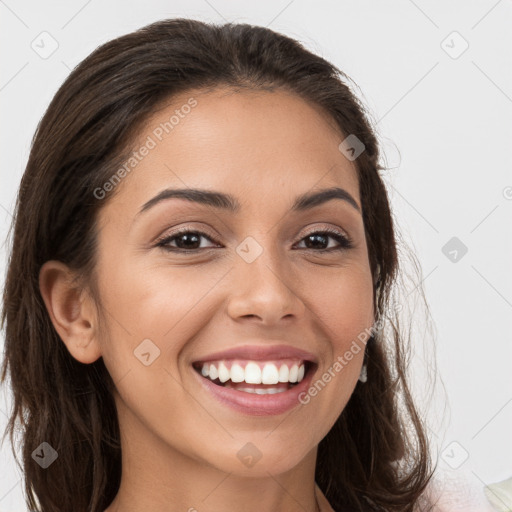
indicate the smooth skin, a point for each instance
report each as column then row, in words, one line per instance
column 179, row 444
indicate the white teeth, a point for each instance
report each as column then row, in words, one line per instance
column 269, row 374
column 252, row 374
column 237, row 373
column 214, row 373
column 262, row 391
column 223, row 372
column 300, row 375
column 284, row 372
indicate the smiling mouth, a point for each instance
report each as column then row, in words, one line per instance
column 257, row 377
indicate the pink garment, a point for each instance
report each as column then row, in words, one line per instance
column 458, row 491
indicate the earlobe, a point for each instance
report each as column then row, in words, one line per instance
column 71, row 311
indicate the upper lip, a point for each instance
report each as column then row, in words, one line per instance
column 260, row 353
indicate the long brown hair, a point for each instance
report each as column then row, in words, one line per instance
column 377, row 451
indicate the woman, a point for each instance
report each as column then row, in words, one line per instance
column 202, row 259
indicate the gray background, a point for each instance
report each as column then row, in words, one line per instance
column 443, row 115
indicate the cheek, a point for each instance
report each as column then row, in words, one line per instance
column 145, row 302
column 343, row 314
column 342, row 304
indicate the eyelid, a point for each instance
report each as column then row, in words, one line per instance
column 343, row 239
column 328, row 229
column 205, row 231
column 184, row 229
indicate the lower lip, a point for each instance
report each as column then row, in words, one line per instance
column 258, row 405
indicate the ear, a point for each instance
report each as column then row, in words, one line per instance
column 72, row 311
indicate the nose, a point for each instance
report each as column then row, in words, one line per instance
column 266, row 289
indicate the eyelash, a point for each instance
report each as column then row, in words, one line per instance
column 344, row 241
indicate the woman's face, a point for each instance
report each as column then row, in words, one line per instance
column 253, row 281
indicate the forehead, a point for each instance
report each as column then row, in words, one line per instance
column 260, row 146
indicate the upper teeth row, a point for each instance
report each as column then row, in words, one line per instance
column 252, row 373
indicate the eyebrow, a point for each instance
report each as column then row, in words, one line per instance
column 220, row 200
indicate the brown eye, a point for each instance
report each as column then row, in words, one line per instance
column 189, row 241
column 316, row 238
column 186, row 241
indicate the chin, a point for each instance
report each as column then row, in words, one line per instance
column 258, row 459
